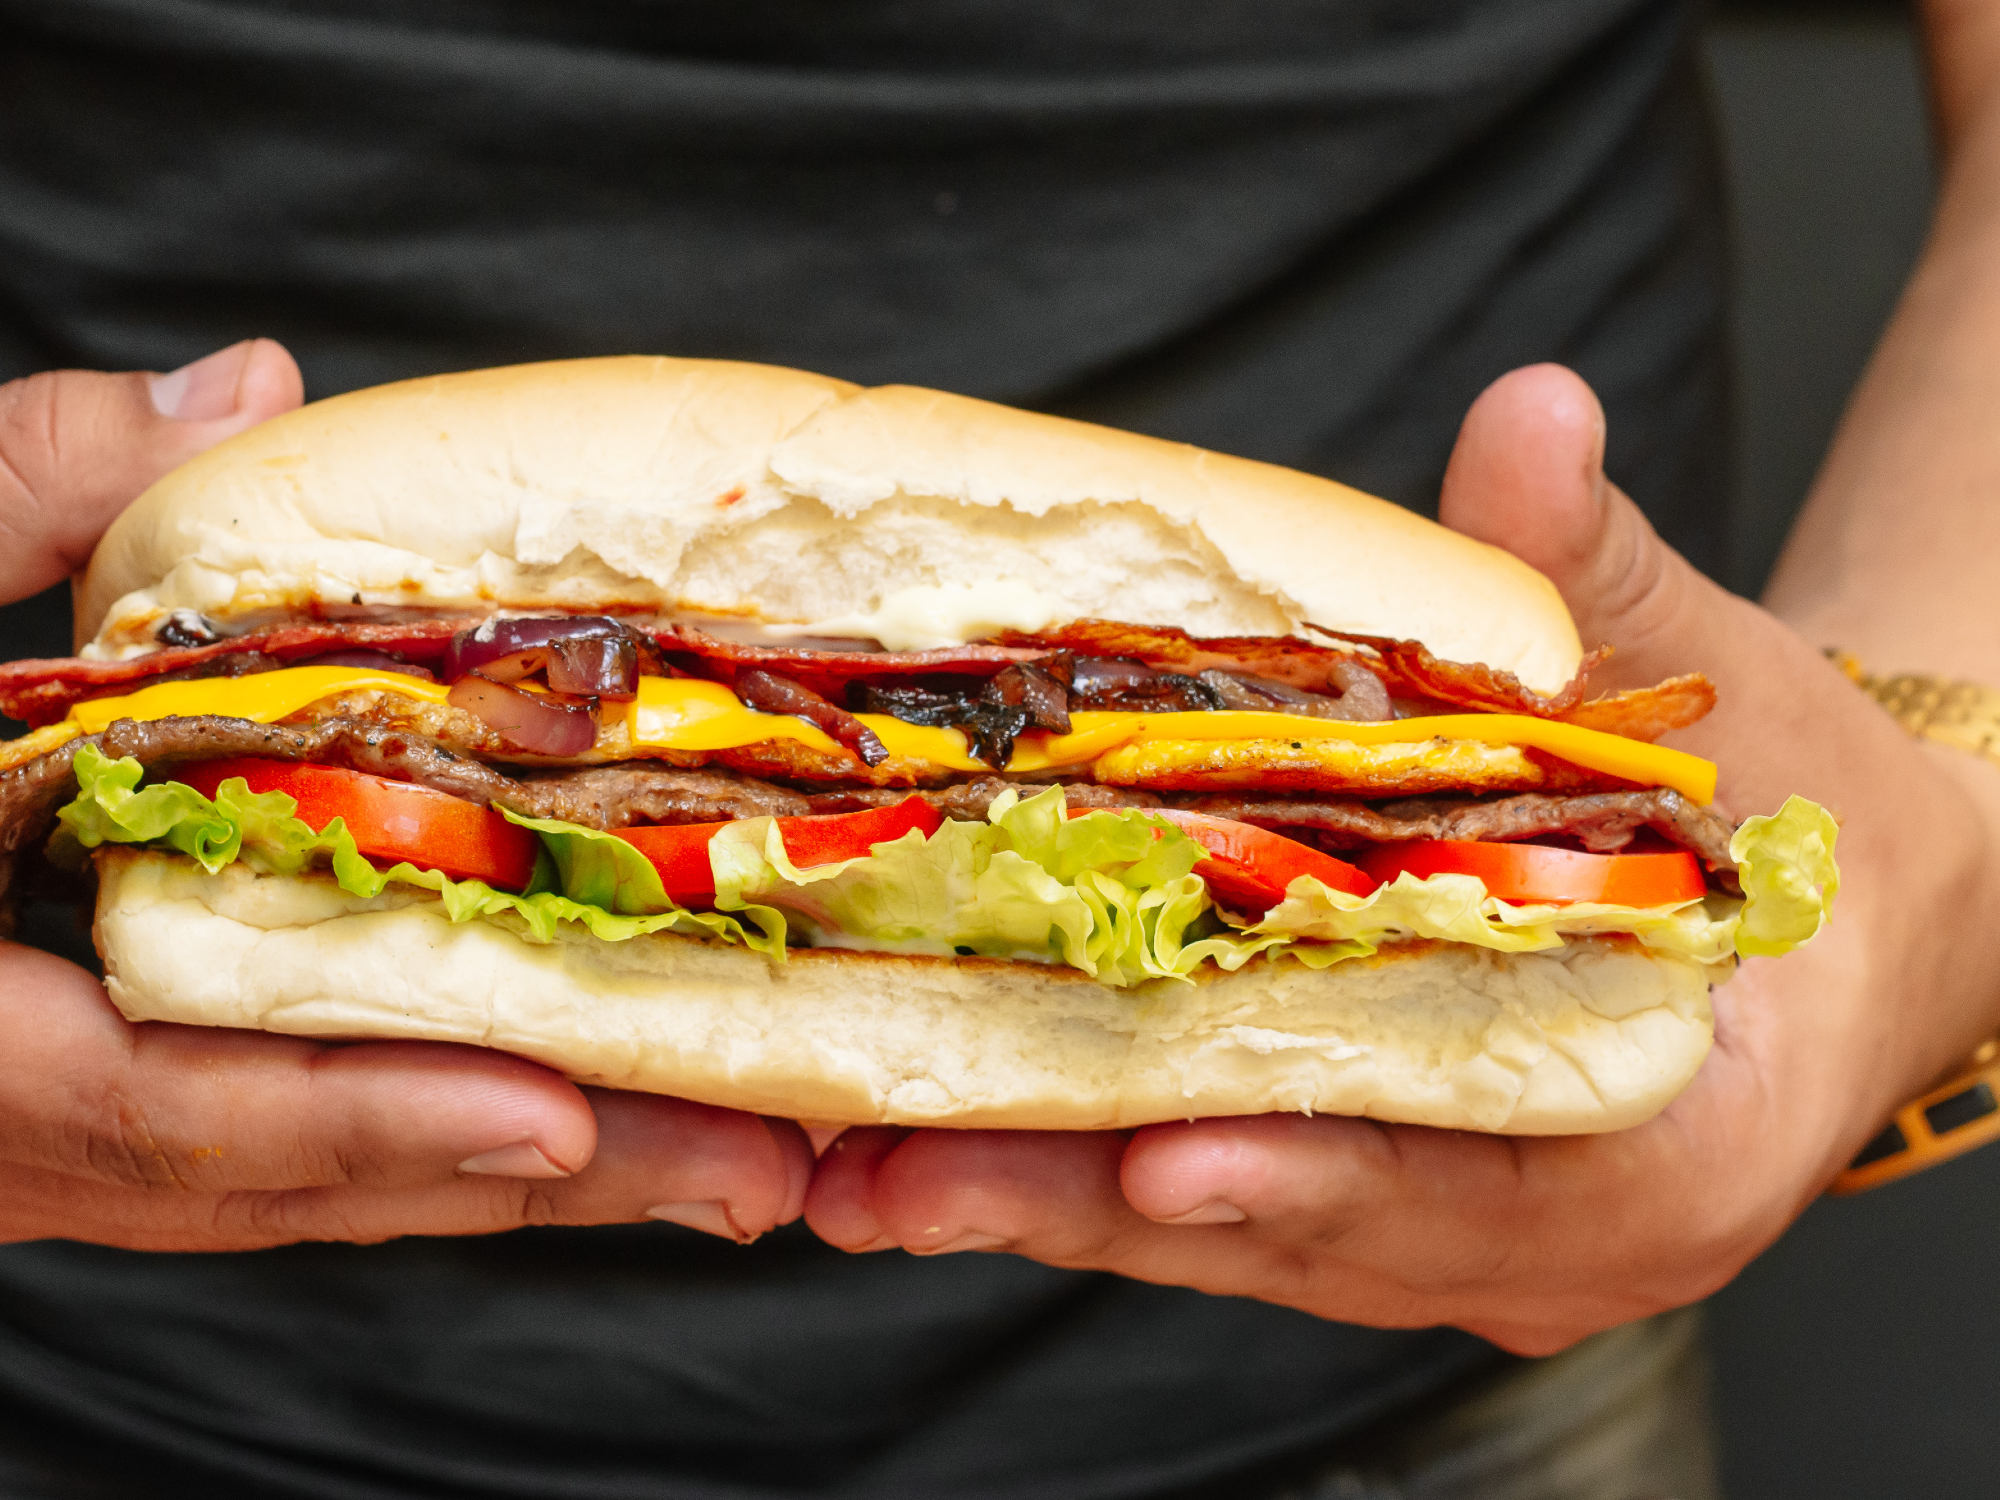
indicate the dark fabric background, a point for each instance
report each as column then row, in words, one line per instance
column 1308, row 231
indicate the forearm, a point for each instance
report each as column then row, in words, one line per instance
column 1897, row 554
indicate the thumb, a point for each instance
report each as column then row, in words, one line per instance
column 1527, row 475
column 76, row 447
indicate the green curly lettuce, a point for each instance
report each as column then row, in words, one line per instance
column 1112, row 893
column 1785, row 864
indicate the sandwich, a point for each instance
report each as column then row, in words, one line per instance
column 880, row 755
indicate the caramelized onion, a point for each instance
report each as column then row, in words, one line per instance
column 593, row 668
column 530, row 722
column 589, row 656
column 487, row 647
column 1363, row 698
column 1115, row 682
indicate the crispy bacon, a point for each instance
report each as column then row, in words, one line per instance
column 1287, row 659
column 1405, row 668
column 1469, row 684
column 829, row 672
column 42, row 691
column 1648, row 713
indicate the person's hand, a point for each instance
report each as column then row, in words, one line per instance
column 188, row 1138
column 1535, row 1243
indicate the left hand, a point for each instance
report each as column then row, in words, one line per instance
column 1531, row 1242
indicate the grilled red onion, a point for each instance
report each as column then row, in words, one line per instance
column 595, row 669
column 371, row 661
column 592, row 649
column 1362, row 699
column 529, row 722
column 780, row 695
column 1119, row 683
column 1040, row 689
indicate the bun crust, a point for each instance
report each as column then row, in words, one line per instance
column 1596, row 1036
column 713, row 487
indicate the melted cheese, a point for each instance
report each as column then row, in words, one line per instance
column 683, row 713
column 262, row 697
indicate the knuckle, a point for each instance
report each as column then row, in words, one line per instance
column 286, row 1216
column 529, row 1202
column 29, row 430
column 111, row 1140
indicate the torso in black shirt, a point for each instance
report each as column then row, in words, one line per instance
column 1304, row 230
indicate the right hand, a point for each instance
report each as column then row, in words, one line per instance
column 164, row 1137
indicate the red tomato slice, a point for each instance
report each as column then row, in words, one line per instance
column 1534, row 872
column 1248, row 868
column 390, row 820
column 680, row 851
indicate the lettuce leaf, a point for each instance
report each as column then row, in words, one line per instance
column 1786, row 867
column 1111, row 893
column 261, row 829
column 1789, row 877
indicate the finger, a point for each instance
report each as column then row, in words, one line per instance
column 941, row 1191
column 657, row 1158
column 720, row 1171
column 839, row 1206
column 77, row 446
column 193, row 1109
column 1527, row 475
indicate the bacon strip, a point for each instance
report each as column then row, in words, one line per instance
column 1648, row 713
column 1287, row 659
column 829, row 672
column 1470, row 684
column 41, row 691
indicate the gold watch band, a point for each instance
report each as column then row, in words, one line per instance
column 1962, row 1111
column 1963, row 715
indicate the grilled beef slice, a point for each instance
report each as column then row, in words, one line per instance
column 1603, row 822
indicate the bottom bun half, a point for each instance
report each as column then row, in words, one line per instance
column 1597, row 1035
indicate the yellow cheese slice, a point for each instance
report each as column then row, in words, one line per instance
column 684, row 713
column 263, row 697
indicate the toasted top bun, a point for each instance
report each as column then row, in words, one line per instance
column 700, row 486
column 1596, row 1035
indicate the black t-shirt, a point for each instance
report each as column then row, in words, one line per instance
column 1304, row 230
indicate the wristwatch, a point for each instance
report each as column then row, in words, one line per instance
column 1963, row 1111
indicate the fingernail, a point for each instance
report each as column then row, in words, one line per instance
column 1215, row 1211
column 971, row 1239
column 520, row 1159
column 204, row 390
column 710, row 1217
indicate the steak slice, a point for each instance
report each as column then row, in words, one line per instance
column 1602, row 822
column 969, row 800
